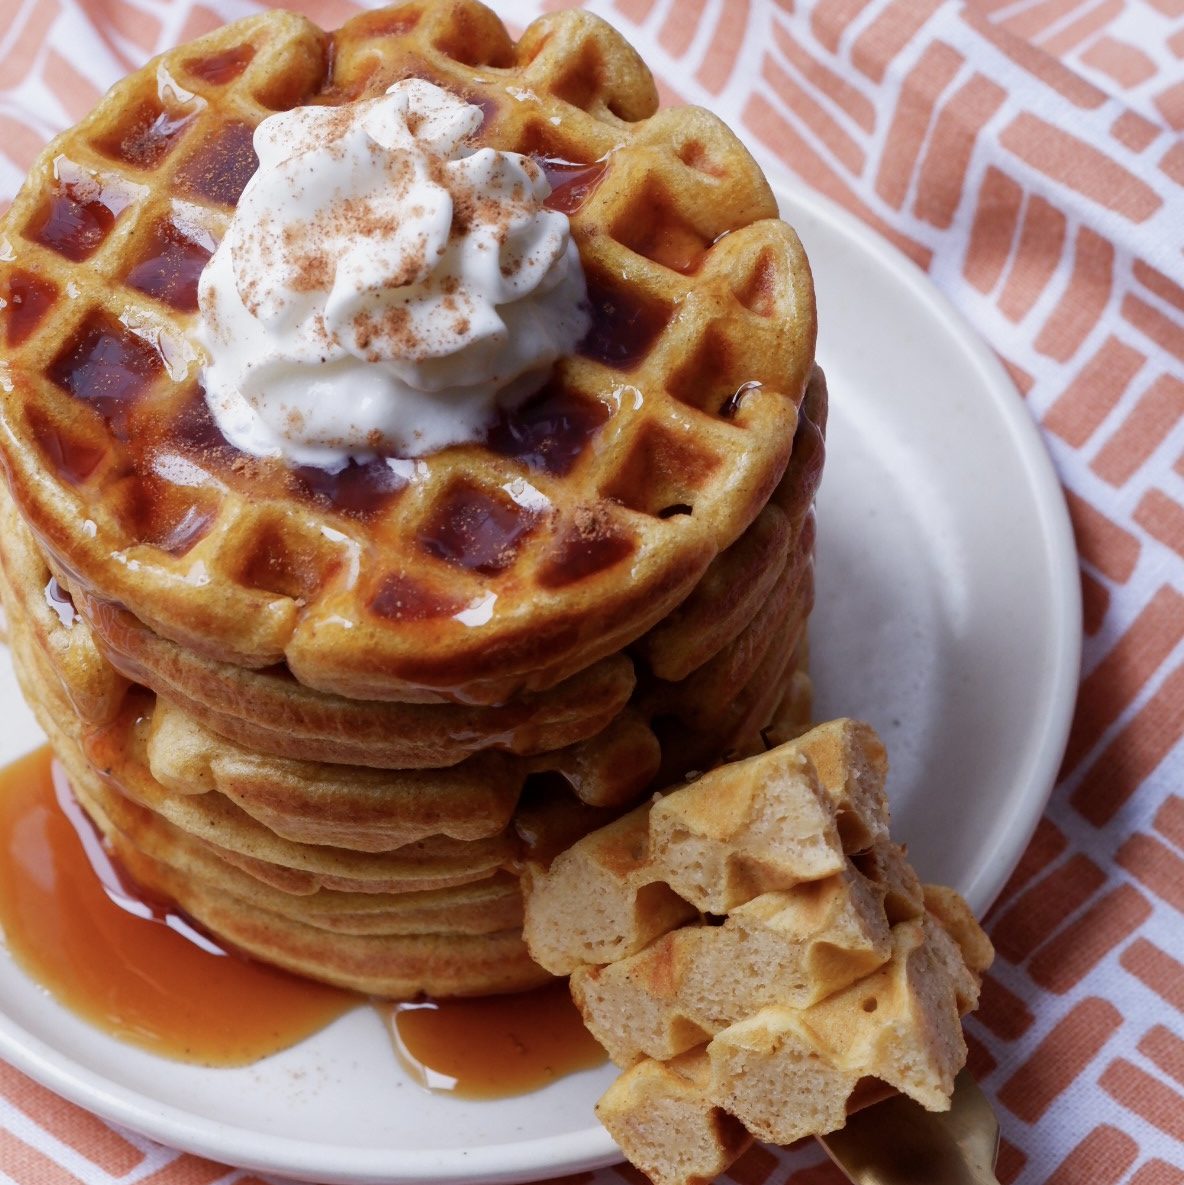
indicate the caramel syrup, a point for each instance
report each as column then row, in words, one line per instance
column 169, row 267
column 492, row 1046
column 548, row 432
column 476, row 529
column 28, row 299
column 73, row 225
column 624, row 328
column 107, row 367
column 572, row 182
column 224, row 67
column 136, row 967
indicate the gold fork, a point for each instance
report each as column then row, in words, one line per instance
column 898, row 1142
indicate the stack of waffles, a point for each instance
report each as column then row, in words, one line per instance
column 330, row 714
column 758, row 956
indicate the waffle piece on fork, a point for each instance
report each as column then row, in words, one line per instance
column 751, row 948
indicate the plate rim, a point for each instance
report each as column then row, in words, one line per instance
column 592, row 1147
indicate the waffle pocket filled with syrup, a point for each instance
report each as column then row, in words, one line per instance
column 333, row 712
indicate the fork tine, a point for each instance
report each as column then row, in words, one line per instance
column 897, row 1142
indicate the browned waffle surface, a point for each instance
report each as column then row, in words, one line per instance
column 253, row 748
column 652, row 449
column 454, row 941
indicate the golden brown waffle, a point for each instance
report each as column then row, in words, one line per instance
column 462, row 941
column 479, row 907
column 656, row 446
column 270, row 711
column 702, row 698
column 666, row 1124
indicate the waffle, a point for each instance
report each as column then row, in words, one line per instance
column 678, row 413
column 702, row 698
column 269, row 709
column 665, row 1123
column 758, row 825
column 826, row 964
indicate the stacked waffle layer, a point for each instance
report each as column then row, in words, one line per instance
column 754, row 951
column 331, row 714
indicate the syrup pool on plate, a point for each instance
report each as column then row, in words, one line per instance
column 492, row 1046
column 128, row 963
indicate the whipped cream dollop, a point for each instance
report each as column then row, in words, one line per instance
column 384, row 287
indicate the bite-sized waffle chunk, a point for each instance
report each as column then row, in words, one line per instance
column 951, row 910
column 754, row 826
column 599, row 900
column 791, row 947
column 887, row 865
column 852, row 764
column 744, row 829
column 650, row 451
column 901, row 1024
column 661, row 1118
column 772, row 820
column 779, row 1013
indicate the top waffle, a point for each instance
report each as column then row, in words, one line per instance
column 483, row 570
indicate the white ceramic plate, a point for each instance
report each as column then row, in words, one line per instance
column 947, row 614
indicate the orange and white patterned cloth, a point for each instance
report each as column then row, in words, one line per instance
column 1029, row 155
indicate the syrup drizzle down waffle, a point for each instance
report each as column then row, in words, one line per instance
column 605, row 499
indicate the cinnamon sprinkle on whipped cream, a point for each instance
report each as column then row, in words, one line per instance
column 384, row 287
